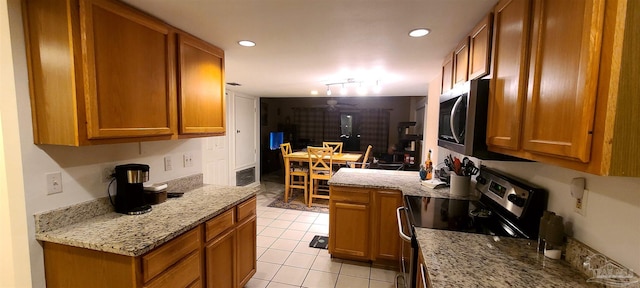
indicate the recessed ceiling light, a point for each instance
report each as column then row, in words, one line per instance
column 247, row 43
column 419, row 32
column 314, row 92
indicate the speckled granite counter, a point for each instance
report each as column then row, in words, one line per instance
column 456, row 259
column 406, row 181
column 134, row 235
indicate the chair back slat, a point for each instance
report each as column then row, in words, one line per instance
column 365, row 159
column 320, row 160
column 335, row 146
column 285, row 148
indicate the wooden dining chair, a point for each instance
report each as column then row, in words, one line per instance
column 365, row 160
column 298, row 174
column 335, row 146
column 320, row 169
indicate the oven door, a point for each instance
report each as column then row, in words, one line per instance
column 409, row 249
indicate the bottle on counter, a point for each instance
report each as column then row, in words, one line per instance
column 429, row 166
column 423, row 172
column 554, row 238
column 543, row 229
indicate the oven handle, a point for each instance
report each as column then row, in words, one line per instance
column 452, row 119
column 400, row 232
column 424, row 279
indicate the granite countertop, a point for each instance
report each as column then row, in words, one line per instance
column 406, row 181
column 456, row 259
column 134, row 235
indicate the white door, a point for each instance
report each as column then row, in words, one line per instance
column 245, row 126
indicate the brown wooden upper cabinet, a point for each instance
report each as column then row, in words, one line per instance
column 480, row 48
column 557, row 94
column 470, row 59
column 509, row 74
column 103, row 72
column 447, row 74
column 461, row 62
column 200, row 86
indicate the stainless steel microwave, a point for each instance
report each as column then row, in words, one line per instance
column 462, row 123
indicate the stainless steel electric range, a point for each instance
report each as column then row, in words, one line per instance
column 507, row 207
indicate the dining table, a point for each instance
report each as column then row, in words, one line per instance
column 303, row 156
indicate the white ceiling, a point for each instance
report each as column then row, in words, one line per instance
column 304, row 44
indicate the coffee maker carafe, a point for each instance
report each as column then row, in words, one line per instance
column 130, row 191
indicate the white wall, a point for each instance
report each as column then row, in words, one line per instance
column 15, row 265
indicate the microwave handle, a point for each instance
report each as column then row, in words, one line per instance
column 452, row 119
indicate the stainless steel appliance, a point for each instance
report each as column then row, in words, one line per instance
column 507, row 207
column 130, row 197
column 462, row 125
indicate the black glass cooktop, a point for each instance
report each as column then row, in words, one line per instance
column 456, row 215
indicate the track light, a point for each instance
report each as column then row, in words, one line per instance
column 362, row 86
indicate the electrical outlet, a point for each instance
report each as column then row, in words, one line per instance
column 581, row 204
column 54, row 183
column 167, row 163
column 187, row 160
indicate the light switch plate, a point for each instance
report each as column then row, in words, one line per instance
column 167, row 163
column 54, row 183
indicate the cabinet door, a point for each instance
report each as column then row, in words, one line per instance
column 508, row 84
column 128, row 72
column 246, row 251
column 220, row 260
column 480, row 48
column 461, row 62
column 565, row 53
column 200, row 86
column 385, row 225
column 349, row 229
column 447, row 74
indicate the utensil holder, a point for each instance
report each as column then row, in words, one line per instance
column 459, row 185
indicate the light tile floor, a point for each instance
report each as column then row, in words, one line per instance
column 286, row 260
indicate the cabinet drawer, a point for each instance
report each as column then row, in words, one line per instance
column 184, row 274
column 169, row 253
column 220, row 223
column 246, row 209
column 353, row 195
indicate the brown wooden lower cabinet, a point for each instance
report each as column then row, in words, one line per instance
column 227, row 246
column 220, row 260
column 231, row 246
column 362, row 224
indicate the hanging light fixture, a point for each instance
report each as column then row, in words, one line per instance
column 361, row 86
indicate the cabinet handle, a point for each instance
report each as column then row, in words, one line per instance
column 237, row 131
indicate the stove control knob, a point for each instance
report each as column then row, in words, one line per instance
column 481, row 180
column 518, row 201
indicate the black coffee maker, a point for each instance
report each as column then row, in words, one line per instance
column 130, row 192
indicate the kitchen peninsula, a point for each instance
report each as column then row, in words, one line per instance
column 449, row 258
column 210, row 229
